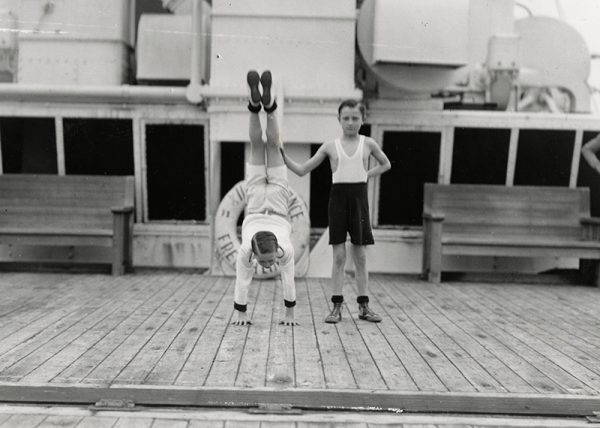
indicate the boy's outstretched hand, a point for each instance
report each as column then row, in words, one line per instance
column 241, row 319
column 286, row 321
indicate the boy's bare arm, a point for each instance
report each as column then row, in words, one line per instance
column 383, row 161
column 589, row 150
column 309, row 165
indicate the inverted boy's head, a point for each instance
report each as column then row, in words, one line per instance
column 351, row 114
column 264, row 246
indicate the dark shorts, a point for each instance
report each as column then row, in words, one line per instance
column 349, row 213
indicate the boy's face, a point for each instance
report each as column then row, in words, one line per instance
column 351, row 120
column 266, row 260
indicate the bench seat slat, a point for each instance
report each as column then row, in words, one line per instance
column 35, row 238
column 45, row 230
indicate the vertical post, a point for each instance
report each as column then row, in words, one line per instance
column 446, row 150
column 118, row 250
column 214, row 192
column 1, row 167
column 512, row 156
column 60, row 145
column 138, row 160
column 193, row 93
column 576, row 158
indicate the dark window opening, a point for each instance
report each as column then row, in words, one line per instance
column 98, row 146
column 232, row 168
column 415, row 158
column 320, row 185
column 232, row 165
column 544, row 157
column 175, row 172
column 28, row 145
column 480, row 156
column 588, row 177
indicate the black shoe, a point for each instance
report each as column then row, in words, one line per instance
column 336, row 314
column 253, row 80
column 365, row 313
column 268, row 101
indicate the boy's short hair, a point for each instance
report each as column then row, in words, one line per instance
column 352, row 103
column 264, row 242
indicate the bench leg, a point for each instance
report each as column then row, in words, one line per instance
column 435, row 267
column 432, row 252
column 589, row 271
column 119, row 243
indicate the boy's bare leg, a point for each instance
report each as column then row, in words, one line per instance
column 257, row 150
column 360, row 264
column 362, row 277
column 274, row 157
column 274, row 144
column 337, row 270
column 257, row 146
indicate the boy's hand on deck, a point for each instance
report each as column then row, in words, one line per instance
column 241, row 319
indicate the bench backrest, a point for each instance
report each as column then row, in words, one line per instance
column 502, row 211
column 71, row 201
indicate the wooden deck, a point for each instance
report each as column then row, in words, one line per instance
column 166, row 339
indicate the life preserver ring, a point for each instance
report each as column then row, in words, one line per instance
column 227, row 242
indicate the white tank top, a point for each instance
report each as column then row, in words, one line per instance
column 350, row 169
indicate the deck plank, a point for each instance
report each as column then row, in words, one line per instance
column 309, row 369
column 45, row 331
column 206, row 424
column 281, row 370
column 393, row 370
column 20, row 421
column 36, row 318
column 585, row 346
column 336, row 367
column 456, row 310
column 252, row 370
column 132, row 422
column 448, row 344
column 495, row 322
column 506, row 380
column 523, row 328
column 142, row 364
column 118, row 360
column 62, row 421
column 97, row 422
column 119, row 309
column 431, row 351
column 364, row 369
column 45, row 362
column 225, row 365
column 416, row 366
column 198, row 365
column 168, row 368
column 99, row 351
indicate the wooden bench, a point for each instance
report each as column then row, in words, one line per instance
column 52, row 210
column 519, row 221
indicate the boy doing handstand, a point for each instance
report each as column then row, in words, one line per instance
column 266, row 230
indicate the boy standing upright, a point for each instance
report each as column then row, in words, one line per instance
column 348, row 203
